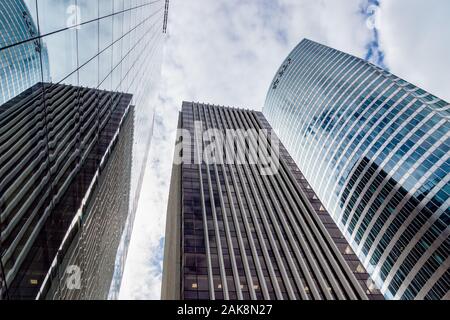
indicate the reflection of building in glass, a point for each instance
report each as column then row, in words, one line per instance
column 117, row 47
column 235, row 233
column 20, row 65
column 65, row 172
column 166, row 16
column 375, row 149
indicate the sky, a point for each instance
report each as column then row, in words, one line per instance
column 227, row 51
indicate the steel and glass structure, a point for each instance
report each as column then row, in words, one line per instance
column 235, row 231
column 65, row 175
column 375, row 149
column 20, row 65
column 89, row 59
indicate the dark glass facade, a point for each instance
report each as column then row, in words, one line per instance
column 79, row 80
column 376, row 150
column 236, row 233
column 93, row 241
column 54, row 166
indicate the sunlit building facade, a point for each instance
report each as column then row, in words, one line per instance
column 238, row 231
column 96, row 66
column 375, row 149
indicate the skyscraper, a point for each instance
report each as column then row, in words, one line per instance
column 20, row 61
column 375, row 149
column 243, row 222
column 78, row 144
column 58, row 165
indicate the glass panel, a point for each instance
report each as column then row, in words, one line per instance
column 87, row 42
column 62, row 51
column 30, row 7
column 118, row 6
column 88, row 10
column 20, row 69
column 56, row 15
column 105, row 7
column 54, row 148
column 17, row 21
column 117, row 53
column 117, row 26
column 105, row 32
column 105, row 63
column 116, row 78
column 89, row 74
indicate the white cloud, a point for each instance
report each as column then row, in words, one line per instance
column 142, row 275
column 415, row 37
column 226, row 52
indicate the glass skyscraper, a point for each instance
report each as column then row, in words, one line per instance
column 237, row 231
column 24, row 59
column 80, row 80
column 375, row 149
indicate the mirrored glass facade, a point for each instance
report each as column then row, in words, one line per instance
column 24, row 58
column 79, row 80
column 235, row 233
column 375, row 149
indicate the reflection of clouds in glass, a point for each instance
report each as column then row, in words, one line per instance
column 121, row 52
column 136, row 60
column 62, row 51
column 87, row 42
column 54, row 15
column 87, row 9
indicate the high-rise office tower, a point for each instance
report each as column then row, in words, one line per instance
column 74, row 148
column 65, row 175
column 24, row 59
column 375, row 149
column 243, row 222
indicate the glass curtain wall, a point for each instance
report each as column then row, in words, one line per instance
column 108, row 45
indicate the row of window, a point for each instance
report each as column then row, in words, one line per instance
column 333, row 112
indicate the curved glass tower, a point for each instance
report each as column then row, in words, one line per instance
column 20, row 65
column 375, row 149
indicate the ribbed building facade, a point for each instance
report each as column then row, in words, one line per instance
column 236, row 231
column 58, row 163
column 375, row 149
column 20, row 65
column 71, row 56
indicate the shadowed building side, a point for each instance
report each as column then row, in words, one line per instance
column 55, row 173
column 95, row 233
column 171, row 278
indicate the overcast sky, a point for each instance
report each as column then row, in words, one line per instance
column 227, row 51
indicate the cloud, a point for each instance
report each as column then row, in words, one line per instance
column 142, row 276
column 414, row 35
column 227, row 52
